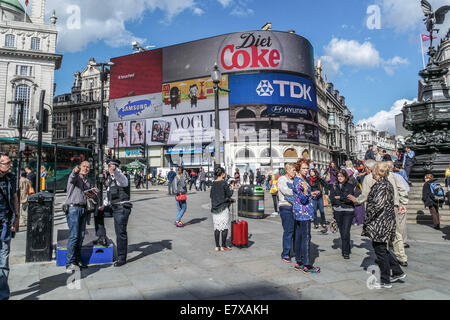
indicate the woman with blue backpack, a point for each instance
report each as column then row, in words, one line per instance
column 429, row 192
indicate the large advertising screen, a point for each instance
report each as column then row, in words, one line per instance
column 170, row 130
column 194, row 95
column 237, row 52
column 274, row 89
column 134, row 108
column 136, row 74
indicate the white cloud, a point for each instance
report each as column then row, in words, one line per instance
column 341, row 52
column 104, row 20
column 407, row 15
column 225, row 3
column 385, row 120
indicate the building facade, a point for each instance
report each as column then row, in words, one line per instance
column 335, row 121
column 367, row 134
column 76, row 115
column 28, row 60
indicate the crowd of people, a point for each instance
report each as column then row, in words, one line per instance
column 374, row 196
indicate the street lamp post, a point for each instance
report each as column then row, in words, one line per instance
column 347, row 116
column 216, row 77
column 101, row 130
column 21, row 103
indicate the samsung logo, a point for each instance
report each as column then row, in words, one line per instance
column 135, row 107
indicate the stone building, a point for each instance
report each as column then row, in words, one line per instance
column 367, row 134
column 77, row 114
column 27, row 64
column 443, row 55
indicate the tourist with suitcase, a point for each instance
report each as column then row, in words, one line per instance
column 220, row 195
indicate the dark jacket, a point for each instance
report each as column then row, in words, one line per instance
column 317, row 185
column 343, row 191
column 220, row 195
column 32, row 177
column 427, row 196
column 370, row 154
column 387, row 157
column 379, row 223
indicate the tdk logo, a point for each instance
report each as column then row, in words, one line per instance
column 264, row 89
column 296, row 90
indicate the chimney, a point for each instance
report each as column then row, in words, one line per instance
column 37, row 11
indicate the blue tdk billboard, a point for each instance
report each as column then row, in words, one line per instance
column 285, row 94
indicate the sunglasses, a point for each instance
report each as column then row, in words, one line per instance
column 6, row 163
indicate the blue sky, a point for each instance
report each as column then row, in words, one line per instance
column 374, row 69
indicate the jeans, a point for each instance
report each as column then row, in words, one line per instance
column 344, row 221
column 386, row 261
column 181, row 206
column 275, row 202
column 408, row 170
column 121, row 216
column 4, row 269
column 193, row 182
column 302, row 242
column 171, row 188
column 288, row 222
column 318, row 204
column 203, row 185
column 76, row 220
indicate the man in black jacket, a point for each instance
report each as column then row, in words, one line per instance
column 370, row 154
column 386, row 156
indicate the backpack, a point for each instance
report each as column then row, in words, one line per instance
column 437, row 191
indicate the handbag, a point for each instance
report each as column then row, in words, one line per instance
column 181, row 197
column 326, row 203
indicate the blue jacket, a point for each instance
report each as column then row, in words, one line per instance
column 171, row 175
column 303, row 204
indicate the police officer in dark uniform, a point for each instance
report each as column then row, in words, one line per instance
column 117, row 197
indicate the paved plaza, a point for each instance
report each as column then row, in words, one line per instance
column 169, row 263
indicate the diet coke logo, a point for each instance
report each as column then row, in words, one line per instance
column 250, row 50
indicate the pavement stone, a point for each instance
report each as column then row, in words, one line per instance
column 166, row 263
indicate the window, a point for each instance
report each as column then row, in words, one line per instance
column 22, row 93
column 91, row 96
column 35, row 43
column 92, row 114
column 60, row 133
column 31, row 71
column 10, row 40
column 243, row 114
column 331, row 118
column 23, row 70
column 245, row 153
column 265, row 153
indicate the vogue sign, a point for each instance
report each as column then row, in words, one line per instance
column 250, row 50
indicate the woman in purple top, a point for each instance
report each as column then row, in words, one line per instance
column 330, row 174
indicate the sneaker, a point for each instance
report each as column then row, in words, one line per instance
column 310, row 269
column 71, row 268
column 298, row 266
column 180, row 224
column 274, row 213
column 217, row 249
column 382, row 285
column 225, row 248
column 287, row 259
column 176, row 223
column 400, row 277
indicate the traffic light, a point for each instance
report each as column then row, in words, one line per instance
column 142, row 150
column 109, row 157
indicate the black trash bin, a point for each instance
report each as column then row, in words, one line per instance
column 251, row 202
column 39, row 245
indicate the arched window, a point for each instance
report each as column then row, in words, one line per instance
column 245, row 153
column 245, row 114
column 10, row 40
column 35, row 43
column 290, row 153
column 264, row 114
column 265, row 153
column 22, row 93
